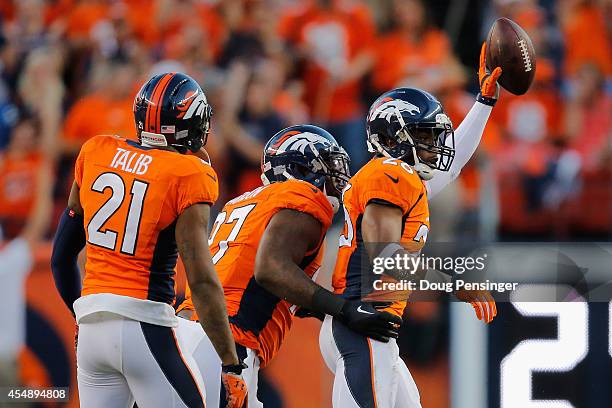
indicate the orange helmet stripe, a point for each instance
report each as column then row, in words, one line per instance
column 153, row 108
column 385, row 99
column 284, row 137
column 161, row 98
column 147, row 126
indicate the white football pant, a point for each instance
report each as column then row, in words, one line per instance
column 207, row 359
column 367, row 373
column 121, row 361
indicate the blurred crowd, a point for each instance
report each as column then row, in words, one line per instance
column 69, row 70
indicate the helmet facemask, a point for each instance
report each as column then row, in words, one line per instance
column 336, row 162
column 198, row 138
column 425, row 146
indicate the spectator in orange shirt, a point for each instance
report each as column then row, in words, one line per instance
column 586, row 36
column 535, row 116
column 587, row 117
column 413, row 53
column 106, row 111
column 173, row 16
column 25, row 176
column 138, row 16
column 82, row 17
column 335, row 40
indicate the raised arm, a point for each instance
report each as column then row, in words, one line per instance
column 469, row 132
column 467, row 139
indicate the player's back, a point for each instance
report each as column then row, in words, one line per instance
column 381, row 180
column 132, row 197
column 259, row 319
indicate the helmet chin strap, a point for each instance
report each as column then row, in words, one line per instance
column 335, row 203
column 423, row 170
column 374, row 146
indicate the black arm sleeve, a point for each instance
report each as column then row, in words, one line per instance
column 69, row 241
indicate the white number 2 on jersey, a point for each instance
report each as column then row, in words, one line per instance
column 552, row 355
column 421, row 234
column 108, row 238
column 238, row 215
column 345, row 240
column 402, row 164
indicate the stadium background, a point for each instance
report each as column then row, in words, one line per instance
column 69, row 70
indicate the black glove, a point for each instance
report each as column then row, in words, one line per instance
column 363, row 318
column 303, row 312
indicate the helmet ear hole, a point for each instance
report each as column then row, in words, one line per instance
column 387, row 141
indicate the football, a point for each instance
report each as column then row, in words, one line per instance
column 509, row 47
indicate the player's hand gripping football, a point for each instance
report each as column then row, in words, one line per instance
column 489, row 88
column 235, row 387
column 481, row 300
column 364, row 319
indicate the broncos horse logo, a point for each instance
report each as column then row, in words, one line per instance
column 193, row 104
column 297, row 141
column 389, row 107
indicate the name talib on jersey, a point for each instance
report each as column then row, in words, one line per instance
column 131, row 162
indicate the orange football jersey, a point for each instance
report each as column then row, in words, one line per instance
column 259, row 320
column 388, row 180
column 18, row 181
column 131, row 197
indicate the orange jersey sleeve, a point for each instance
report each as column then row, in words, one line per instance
column 199, row 186
column 304, row 197
column 390, row 180
column 80, row 161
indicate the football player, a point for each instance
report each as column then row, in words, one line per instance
column 387, row 202
column 267, row 246
column 136, row 206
